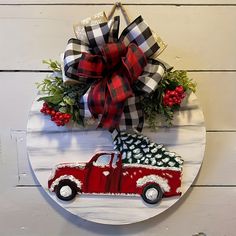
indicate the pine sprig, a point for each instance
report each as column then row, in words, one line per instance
column 154, row 109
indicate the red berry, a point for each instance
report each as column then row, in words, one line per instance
column 167, row 95
column 66, row 121
column 179, row 89
column 67, row 116
column 48, row 111
column 58, row 122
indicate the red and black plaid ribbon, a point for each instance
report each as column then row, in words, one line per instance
column 121, row 67
column 116, row 66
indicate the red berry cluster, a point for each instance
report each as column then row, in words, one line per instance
column 174, row 97
column 60, row 119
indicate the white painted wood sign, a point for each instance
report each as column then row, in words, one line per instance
column 49, row 146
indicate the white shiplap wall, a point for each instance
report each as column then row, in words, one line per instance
column 201, row 37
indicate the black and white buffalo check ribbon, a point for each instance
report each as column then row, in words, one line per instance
column 139, row 33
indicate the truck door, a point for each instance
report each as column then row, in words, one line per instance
column 99, row 174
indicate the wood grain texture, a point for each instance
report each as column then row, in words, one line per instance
column 219, row 163
column 197, row 36
column 214, row 91
column 49, row 145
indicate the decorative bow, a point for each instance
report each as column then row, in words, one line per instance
column 119, row 70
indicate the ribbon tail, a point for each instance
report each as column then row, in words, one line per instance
column 101, row 102
column 111, row 114
column 133, row 116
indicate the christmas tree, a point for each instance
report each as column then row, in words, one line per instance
column 138, row 149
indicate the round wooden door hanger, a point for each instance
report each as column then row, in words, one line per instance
column 116, row 136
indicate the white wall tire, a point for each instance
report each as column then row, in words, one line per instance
column 152, row 194
column 66, row 190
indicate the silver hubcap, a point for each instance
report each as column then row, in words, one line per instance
column 152, row 194
column 65, row 191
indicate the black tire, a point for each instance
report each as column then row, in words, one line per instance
column 69, row 186
column 152, row 194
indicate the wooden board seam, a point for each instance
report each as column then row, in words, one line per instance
column 50, row 71
column 221, row 131
column 207, row 131
column 125, row 4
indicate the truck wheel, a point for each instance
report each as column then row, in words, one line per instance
column 66, row 190
column 152, row 194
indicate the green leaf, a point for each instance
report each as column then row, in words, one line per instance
column 54, row 65
column 62, row 104
column 51, row 99
column 63, row 109
column 68, row 100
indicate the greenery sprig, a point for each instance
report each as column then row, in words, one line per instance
column 156, row 107
column 60, row 96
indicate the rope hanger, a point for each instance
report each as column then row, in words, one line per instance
column 116, row 6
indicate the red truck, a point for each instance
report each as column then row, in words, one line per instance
column 106, row 174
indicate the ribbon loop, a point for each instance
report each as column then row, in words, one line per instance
column 134, row 62
column 139, row 33
column 99, row 35
column 90, row 66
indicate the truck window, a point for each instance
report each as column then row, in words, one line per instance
column 103, row 160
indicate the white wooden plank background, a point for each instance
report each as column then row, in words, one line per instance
column 193, row 44
column 201, row 37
